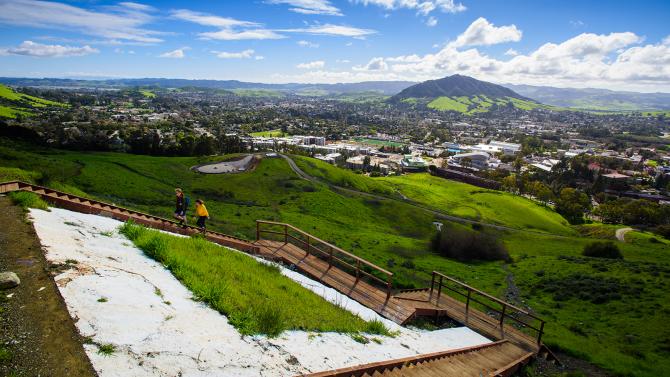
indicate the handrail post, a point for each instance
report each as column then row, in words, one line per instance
column 439, row 292
column 389, row 285
column 502, row 316
column 467, row 304
column 258, row 230
column 358, row 269
column 285, row 233
column 330, row 258
column 539, row 335
column 432, row 286
column 308, row 244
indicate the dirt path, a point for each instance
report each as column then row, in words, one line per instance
column 36, row 327
column 621, row 233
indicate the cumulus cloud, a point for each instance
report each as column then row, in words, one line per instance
column 230, row 29
column 483, row 33
column 246, row 54
column 29, row 48
column 307, row 44
column 432, row 21
column 176, row 54
column 123, row 22
column 511, row 52
column 317, row 64
column 323, row 7
column 375, row 64
column 614, row 60
column 423, row 7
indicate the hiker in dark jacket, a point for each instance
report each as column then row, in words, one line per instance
column 180, row 206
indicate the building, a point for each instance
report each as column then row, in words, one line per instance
column 505, row 147
column 413, row 163
column 473, row 160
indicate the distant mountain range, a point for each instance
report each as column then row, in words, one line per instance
column 594, row 99
column 387, row 88
column 452, row 92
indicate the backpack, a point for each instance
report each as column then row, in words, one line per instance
column 187, row 202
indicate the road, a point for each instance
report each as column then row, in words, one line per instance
column 407, row 201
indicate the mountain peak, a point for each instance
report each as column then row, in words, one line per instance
column 455, row 86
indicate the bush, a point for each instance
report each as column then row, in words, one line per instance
column 663, row 230
column 465, row 245
column 602, row 250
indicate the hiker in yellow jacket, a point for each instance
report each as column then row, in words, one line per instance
column 201, row 213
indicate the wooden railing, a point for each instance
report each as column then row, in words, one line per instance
column 326, row 252
column 505, row 310
column 95, row 207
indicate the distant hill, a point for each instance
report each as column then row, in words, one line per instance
column 594, row 99
column 13, row 103
column 463, row 94
column 455, row 86
column 382, row 87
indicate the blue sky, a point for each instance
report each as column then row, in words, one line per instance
column 608, row 44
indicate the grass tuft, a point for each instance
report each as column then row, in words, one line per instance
column 106, row 349
column 28, row 200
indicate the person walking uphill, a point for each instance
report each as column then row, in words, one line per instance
column 201, row 213
column 181, row 202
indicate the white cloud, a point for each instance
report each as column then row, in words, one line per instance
column 209, row 19
column 612, row 60
column 317, row 64
column 343, row 61
column 335, row 30
column 323, row 7
column 423, row 7
column 29, row 48
column 308, row 44
column 511, row 52
column 375, row 64
column 230, row 29
column 232, row 35
column 432, row 21
column 577, row 24
column 483, row 33
column 259, row 57
column 123, row 22
column 246, row 54
column 176, row 54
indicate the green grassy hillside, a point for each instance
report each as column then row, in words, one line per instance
column 481, row 103
column 13, row 103
column 451, row 197
column 612, row 313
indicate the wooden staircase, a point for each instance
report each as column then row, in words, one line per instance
column 500, row 358
column 371, row 286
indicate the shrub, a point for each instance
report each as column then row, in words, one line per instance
column 663, row 230
column 465, row 245
column 602, row 249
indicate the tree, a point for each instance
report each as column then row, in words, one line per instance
column 509, row 183
column 572, row 204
